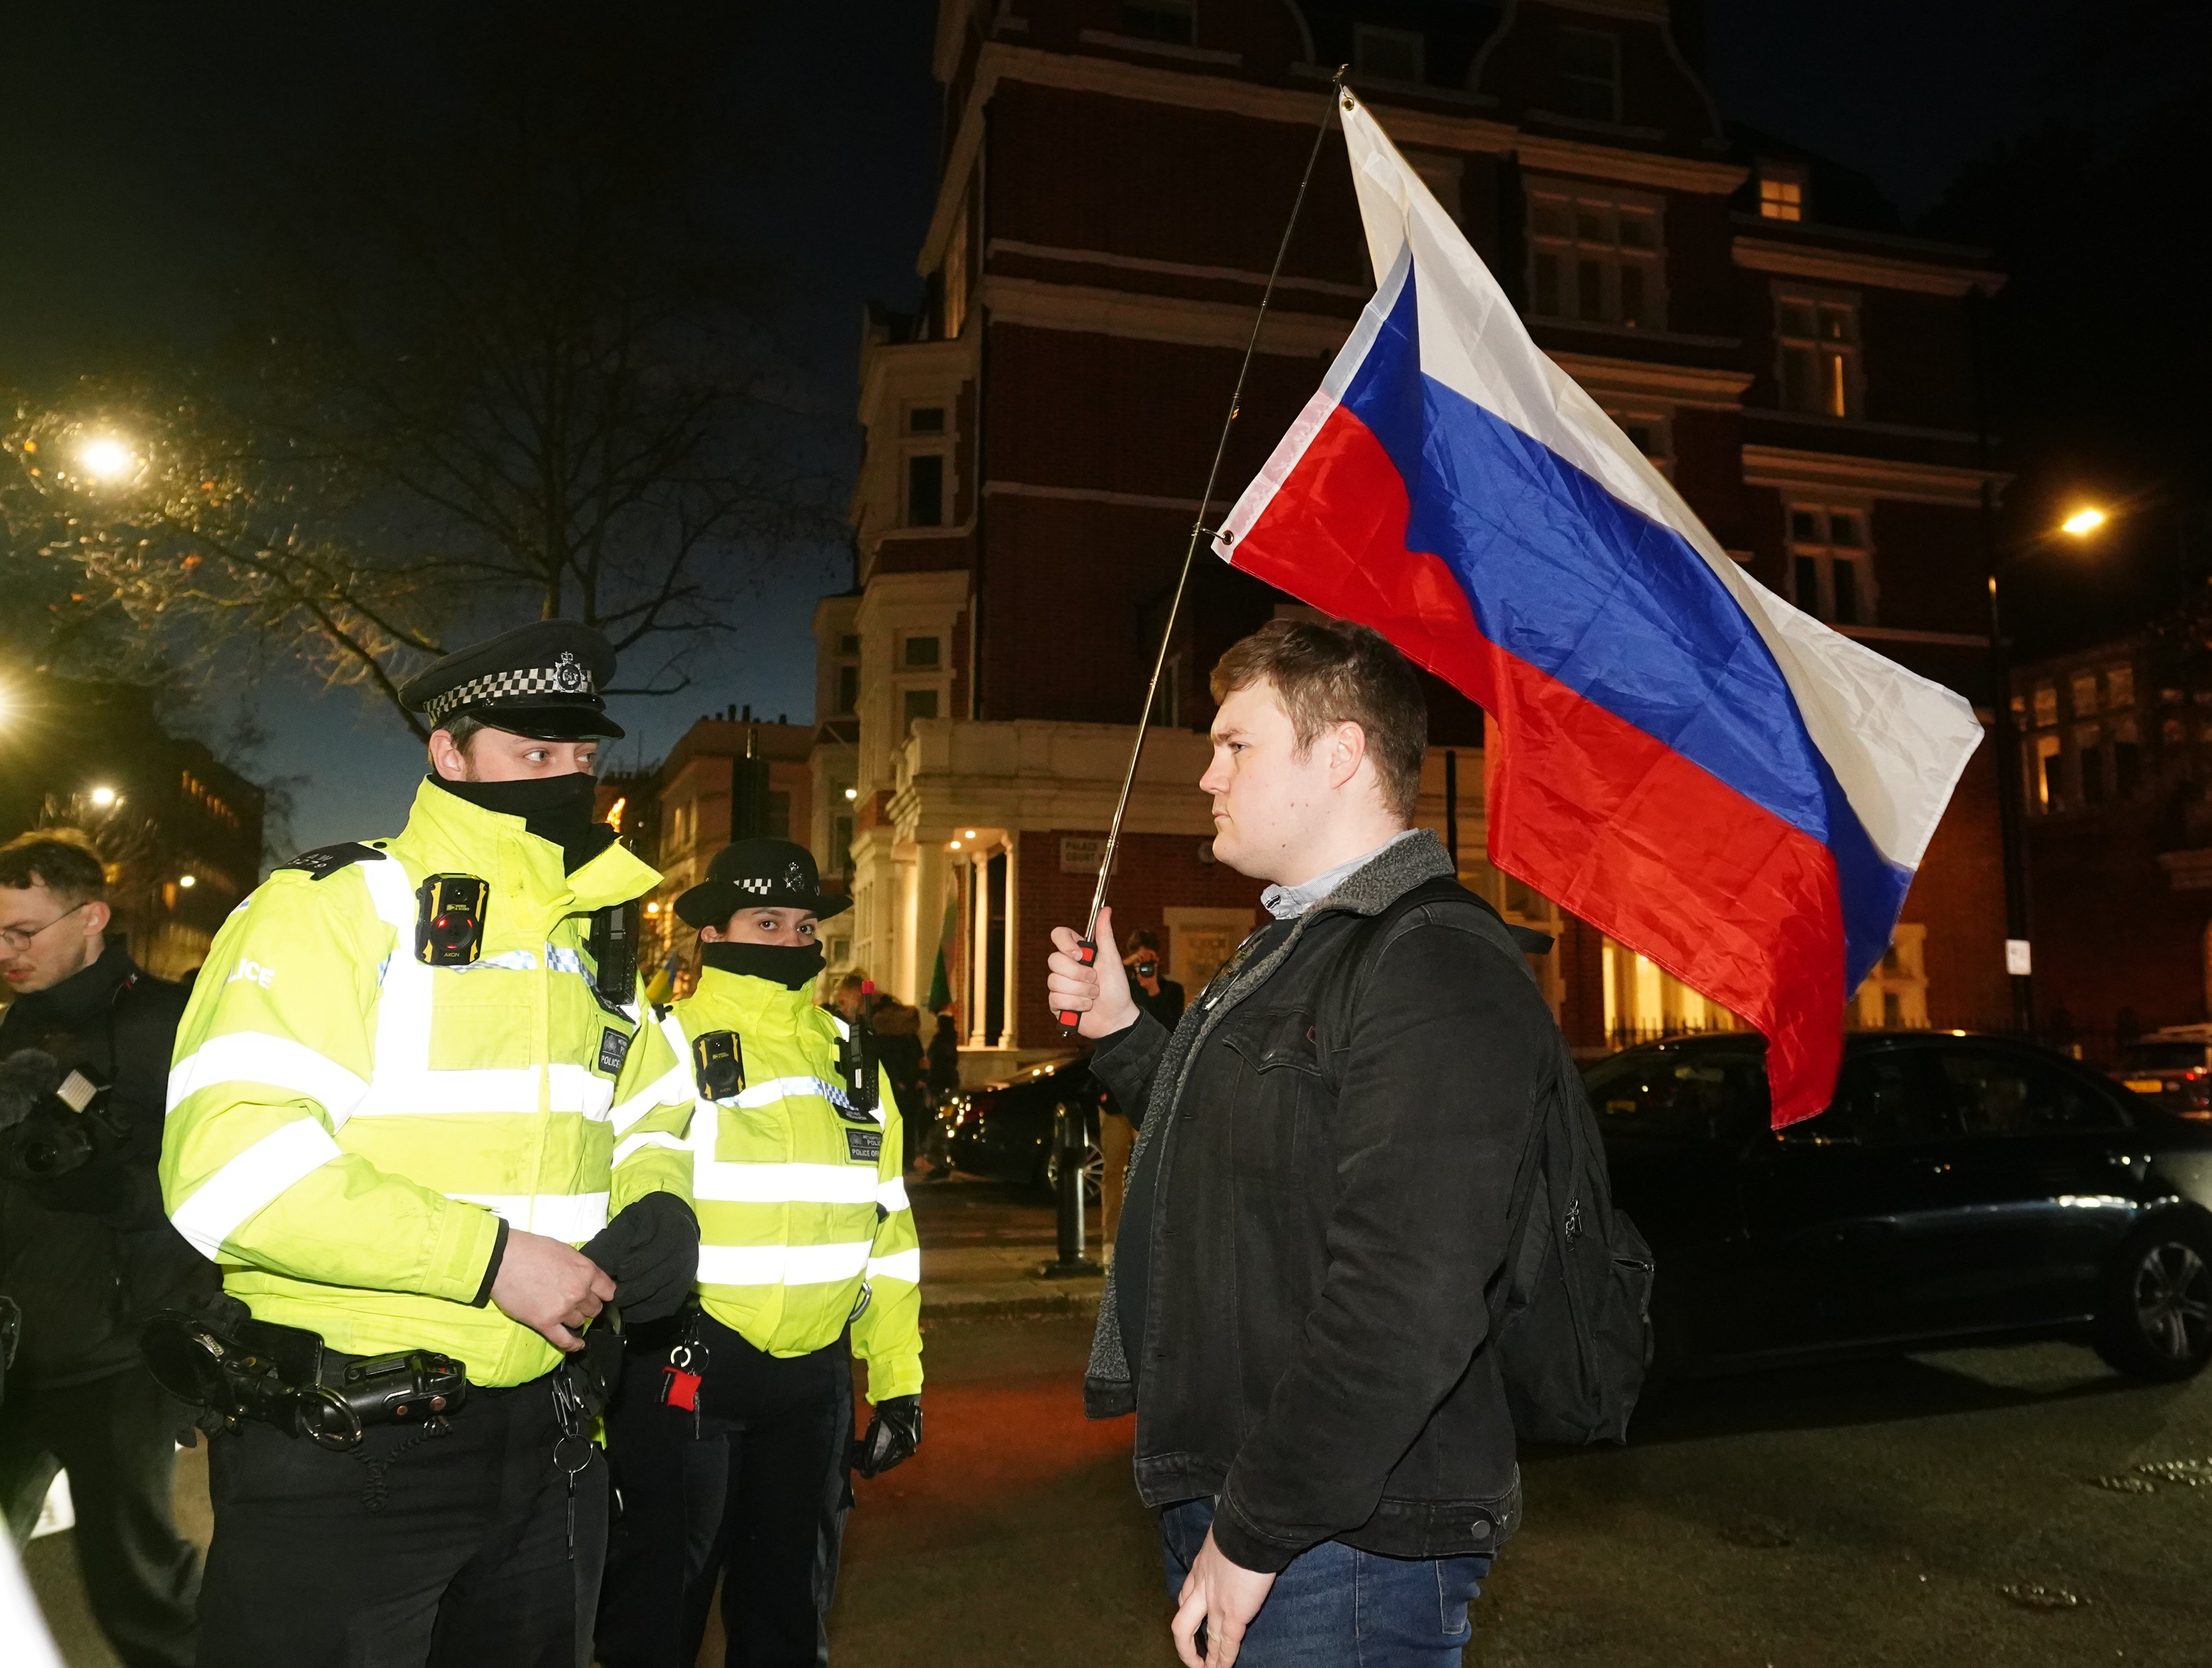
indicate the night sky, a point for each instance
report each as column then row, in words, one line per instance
column 146, row 148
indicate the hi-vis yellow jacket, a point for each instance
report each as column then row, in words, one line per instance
column 347, row 1125
column 802, row 1205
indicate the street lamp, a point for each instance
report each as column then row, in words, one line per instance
column 188, row 880
column 103, row 797
column 105, row 458
column 2083, row 522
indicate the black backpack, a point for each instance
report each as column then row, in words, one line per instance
column 1571, row 1313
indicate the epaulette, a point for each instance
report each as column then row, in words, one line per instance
column 326, row 860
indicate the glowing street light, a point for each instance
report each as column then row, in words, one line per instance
column 2083, row 522
column 852, row 793
column 106, row 459
column 103, row 797
column 188, row 880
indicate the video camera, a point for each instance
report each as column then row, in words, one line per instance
column 52, row 1124
column 272, row 1373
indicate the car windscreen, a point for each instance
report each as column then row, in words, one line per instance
column 1699, row 1096
column 2163, row 1057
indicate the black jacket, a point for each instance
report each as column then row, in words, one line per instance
column 1315, row 1263
column 88, row 1254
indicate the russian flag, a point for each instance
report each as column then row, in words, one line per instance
column 1675, row 754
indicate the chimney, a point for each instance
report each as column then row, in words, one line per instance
column 749, row 712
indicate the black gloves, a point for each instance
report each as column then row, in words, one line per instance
column 894, row 1433
column 652, row 1250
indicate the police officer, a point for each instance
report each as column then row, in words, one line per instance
column 412, row 1082
column 734, row 1432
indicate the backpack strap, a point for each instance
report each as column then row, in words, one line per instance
column 1363, row 948
column 1527, row 1240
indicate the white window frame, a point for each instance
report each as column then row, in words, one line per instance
column 1839, row 363
column 904, row 666
column 1577, row 214
column 1826, row 552
column 939, row 686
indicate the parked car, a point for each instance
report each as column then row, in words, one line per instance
column 1958, row 1188
column 1005, row 1130
column 2173, row 1067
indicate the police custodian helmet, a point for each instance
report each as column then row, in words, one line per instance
column 541, row 680
column 779, row 874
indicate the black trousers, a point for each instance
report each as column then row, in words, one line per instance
column 117, row 1437
column 753, row 1491
column 415, row 1549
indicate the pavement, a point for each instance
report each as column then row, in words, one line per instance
column 983, row 1244
column 2005, row 1506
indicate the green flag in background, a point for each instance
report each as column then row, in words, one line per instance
column 940, row 984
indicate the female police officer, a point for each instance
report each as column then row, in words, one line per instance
column 732, row 1434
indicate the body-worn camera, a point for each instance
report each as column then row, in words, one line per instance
column 449, row 920
column 718, row 1065
column 51, row 1124
column 274, row 1375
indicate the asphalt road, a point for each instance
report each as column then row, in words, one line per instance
column 1940, row 1511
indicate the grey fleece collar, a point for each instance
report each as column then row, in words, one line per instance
column 1287, row 903
column 1395, row 871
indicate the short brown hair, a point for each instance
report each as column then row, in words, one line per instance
column 1332, row 672
column 62, row 860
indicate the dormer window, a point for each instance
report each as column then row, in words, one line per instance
column 1388, row 54
column 1590, row 74
column 1781, row 193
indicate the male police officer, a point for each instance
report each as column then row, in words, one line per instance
column 397, row 1099
column 731, row 1439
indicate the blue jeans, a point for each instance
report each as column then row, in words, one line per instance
column 1338, row 1607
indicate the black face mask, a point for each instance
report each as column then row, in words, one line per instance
column 789, row 965
column 557, row 808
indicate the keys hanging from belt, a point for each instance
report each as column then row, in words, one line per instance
column 685, row 1372
column 572, row 1449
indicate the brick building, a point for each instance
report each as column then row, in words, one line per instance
column 1114, row 184
column 2116, row 744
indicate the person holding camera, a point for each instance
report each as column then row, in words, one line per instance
column 1162, row 997
column 414, row 1079
column 732, row 1437
column 84, row 1246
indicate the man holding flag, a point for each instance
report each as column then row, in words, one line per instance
column 1296, row 1309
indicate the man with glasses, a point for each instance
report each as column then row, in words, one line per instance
column 83, row 1253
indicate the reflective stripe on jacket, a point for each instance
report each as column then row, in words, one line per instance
column 802, row 1202
column 345, row 1124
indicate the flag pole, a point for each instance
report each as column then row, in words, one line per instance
column 1087, row 946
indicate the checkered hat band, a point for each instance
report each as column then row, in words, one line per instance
column 765, row 887
column 523, row 680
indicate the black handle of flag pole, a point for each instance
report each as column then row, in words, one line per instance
column 1087, row 946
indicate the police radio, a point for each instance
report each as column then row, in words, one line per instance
column 856, row 1056
column 718, row 1065
column 613, row 945
column 449, row 920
